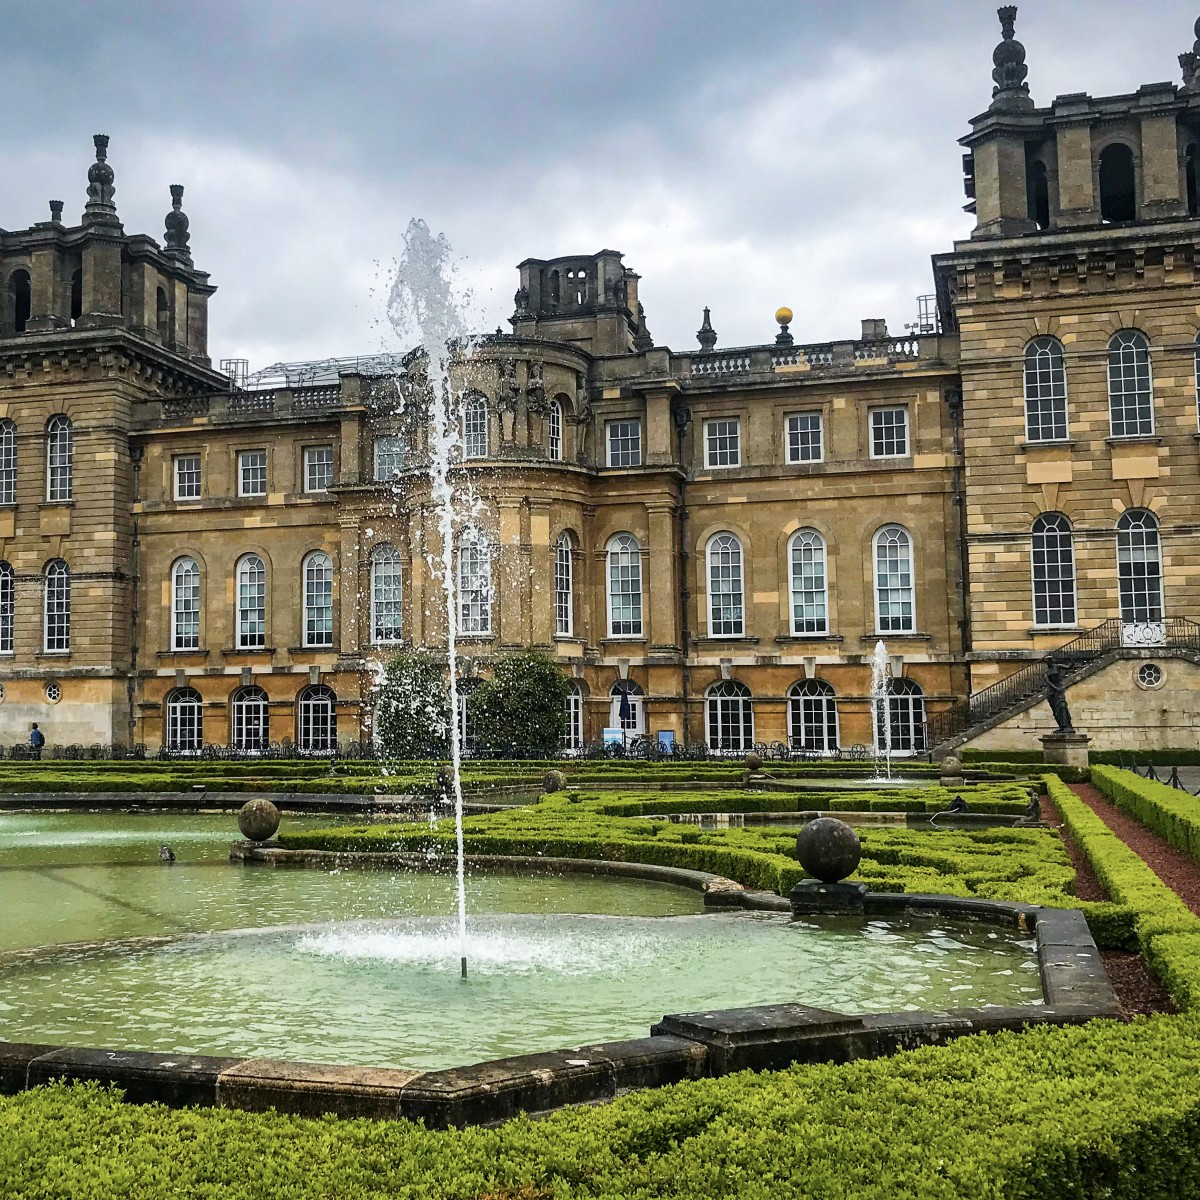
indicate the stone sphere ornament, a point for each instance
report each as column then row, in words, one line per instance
column 828, row 849
column 553, row 781
column 783, row 316
column 258, row 820
column 753, row 762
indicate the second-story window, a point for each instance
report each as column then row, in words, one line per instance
column 805, row 438
column 722, row 443
column 318, row 599
column 624, row 440
column 474, row 584
column 187, row 477
column 889, row 432
column 1045, row 391
column 554, row 426
column 8, row 463
column 252, row 473
column 56, row 607
column 475, row 427
column 389, row 458
column 563, row 586
column 185, row 605
column 1130, row 386
column 318, row 468
column 7, row 607
column 726, row 597
column 59, row 455
column 251, row 603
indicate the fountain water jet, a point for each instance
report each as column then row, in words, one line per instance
column 880, row 692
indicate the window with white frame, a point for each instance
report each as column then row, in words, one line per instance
column 573, row 704
column 7, row 607
column 389, row 457
column 554, row 431
column 1130, row 387
column 56, row 608
column 59, row 455
column 805, row 438
column 318, row 468
column 624, row 586
column 251, row 722
column 894, row 608
column 467, row 731
column 251, row 591
column 185, row 605
column 1053, row 570
column 318, row 599
column 387, row 596
column 730, row 716
column 1139, row 568
column 812, row 717
column 810, row 583
column 1198, row 380
column 8, row 462
column 184, row 723
column 722, row 442
column 252, row 473
column 1045, row 391
column 316, row 721
column 474, row 584
column 564, row 570
column 726, row 593
column 627, row 710
column 187, row 476
column 889, row 432
column 624, row 439
column 905, row 733
column 475, row 427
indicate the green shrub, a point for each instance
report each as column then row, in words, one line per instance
column 1172, row 814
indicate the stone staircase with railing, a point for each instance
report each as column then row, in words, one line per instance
column 994, row 705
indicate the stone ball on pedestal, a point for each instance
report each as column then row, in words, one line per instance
column 753, row 762
column 258, row 820
column 553, row 781
column 828, row 849
column 952, row 765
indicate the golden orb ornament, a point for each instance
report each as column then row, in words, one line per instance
column 783, row 316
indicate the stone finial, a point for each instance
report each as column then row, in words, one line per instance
column 1010, row 73
column 177, row 237
column 706, row 335
column 642, row 339
column 100, row 206
column 784, row 336
column 1190, row 62
column 56, row 211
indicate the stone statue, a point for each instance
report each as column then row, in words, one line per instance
column 1056, row 695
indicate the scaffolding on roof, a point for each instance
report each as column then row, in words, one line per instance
column 319, row 372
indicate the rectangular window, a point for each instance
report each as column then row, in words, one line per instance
column 252, row 473
column 8, row 463
column 389, row 458
column 187, row 477
column 805, row 438
column 722, row 443
column 889, row 432
column 318, row 468
column 624, row 443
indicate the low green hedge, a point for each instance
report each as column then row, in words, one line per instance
column 1172, row 814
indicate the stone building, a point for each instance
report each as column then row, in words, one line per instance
column 720, row 536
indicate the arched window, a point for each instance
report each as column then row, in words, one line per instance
column 57, row 607
column 1053, row 571
column 1139, row 568
column 387, row 596
column 628, row 709
column 730, row 716
column 1130, row 386
column 59, row 455
column 1118, row 185
column 573, row 738
column 1197, row 353
column 810, row 583
column 475, row 427
column 1038, row 188
column 726, row 595
column 894, row 608
column 8, row 462
column 812, row 717
column 1045, row 391
column 184, row 723
column 316, row 723
column 251, row 723
column 21, row 291
column 162, row 312
column 554, row 431
column 251, row 576
column 474, row 584
column 624, row 586
column 564, row 572
column 7, row 607
column 318, row 599
column 185, row 605
column 76, row 295
column 906, row 718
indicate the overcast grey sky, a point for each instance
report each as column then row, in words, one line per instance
column 742, row 154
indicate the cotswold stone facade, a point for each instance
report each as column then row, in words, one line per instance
column 192, row 555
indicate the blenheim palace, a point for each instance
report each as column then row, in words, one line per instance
column 711, row 541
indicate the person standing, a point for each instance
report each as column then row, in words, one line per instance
column 37, row 739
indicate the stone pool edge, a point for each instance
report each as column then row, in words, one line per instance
column 682, row 1046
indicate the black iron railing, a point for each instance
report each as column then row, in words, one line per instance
column 1174, row 633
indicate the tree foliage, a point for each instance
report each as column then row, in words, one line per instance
column 412, row 707
column 522, row 708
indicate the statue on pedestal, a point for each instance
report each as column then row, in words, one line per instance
column 1056, row 695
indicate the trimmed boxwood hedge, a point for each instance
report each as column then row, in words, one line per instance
column 1172, row 814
